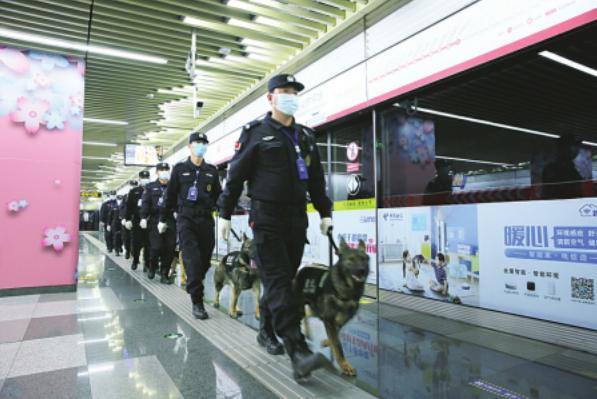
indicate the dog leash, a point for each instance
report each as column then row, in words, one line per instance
column 235, row 235
column 332, row 246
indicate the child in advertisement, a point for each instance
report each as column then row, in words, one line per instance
column 411, row 269
column 440, row 284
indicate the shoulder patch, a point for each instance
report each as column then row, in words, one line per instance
column 252, row 124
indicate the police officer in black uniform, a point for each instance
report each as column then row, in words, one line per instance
column 140, row 239
column 127, row 236
column 115, row 223
column 194, row 188
column 162, row 245
column 104, row 210
column 281, row 163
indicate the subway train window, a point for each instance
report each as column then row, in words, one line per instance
column 486, row 181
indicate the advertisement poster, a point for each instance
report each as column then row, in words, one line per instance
column 540, row 259
column 410, row 242
column 352, row 225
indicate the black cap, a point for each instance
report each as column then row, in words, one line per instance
column 162, row 166
column 144, row 174
column 133, row 182
column 119, row 197
column 196, row 136
column 112, row 192
column 442, row 163
column 283, row 81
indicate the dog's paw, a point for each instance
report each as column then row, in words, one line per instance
column 257, row 316
column 347, row 369
column 325, row 343
column 233, row 315
column 239, row 312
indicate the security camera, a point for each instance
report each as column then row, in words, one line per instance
column 197, row 109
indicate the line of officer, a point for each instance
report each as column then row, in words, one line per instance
column 127, row 236
column 115, row 224
column 104, row 209
column 162, row 245
column 193, row 188
column 140, row 239
column 280, row 161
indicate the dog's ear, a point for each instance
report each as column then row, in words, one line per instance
column 343, row 245
column 362, row 246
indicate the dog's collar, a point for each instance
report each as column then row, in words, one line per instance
column 334, row 290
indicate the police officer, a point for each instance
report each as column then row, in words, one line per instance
column 281, row 163
column 126, row 233
column 140, row 239
column 104, row 209
column 194, row 186
column 162, row 245
column 115, row 223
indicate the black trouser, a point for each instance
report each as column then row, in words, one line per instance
column 196, row 237
column 279, row 236
column 117, row 236
column 162, row 246
column 139, row 240
column 108, row 237
column 126, row 239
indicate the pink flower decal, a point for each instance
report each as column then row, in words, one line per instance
column 41, row 79
column 56, row 237
column 13, row 206
column 14, row 60
column 31, row 113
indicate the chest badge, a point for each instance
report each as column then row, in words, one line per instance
column 267, row 138
column 308, row 160
column 208, row 188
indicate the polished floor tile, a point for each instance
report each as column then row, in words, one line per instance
column 49, row 354
column 16, row 311
column 132, row 378
column 97, row 299
column 63, row 296
column 13, row 330
column 19, row 300
column 71, row 383
column 56, row 308
column 7, row 356
column 48, row 327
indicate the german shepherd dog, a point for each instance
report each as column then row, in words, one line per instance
column 332, row 294
column 235, row 269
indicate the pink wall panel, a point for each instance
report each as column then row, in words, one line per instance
column 41, row 111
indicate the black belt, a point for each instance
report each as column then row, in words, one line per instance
column 194, row 211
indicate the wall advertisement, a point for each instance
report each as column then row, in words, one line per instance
column 536, row 259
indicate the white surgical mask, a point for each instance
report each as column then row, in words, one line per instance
column 287, row 103
column 145, row 182
column 164, row 175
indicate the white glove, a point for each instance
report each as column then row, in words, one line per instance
column 225, row 227
column 128, row 225
column 143, row 223
column 175, row 215
column 123, row 222
column 162, row 227
column 326, row 225
column 109, row 228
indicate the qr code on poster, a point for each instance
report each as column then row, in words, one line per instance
column 583, row 288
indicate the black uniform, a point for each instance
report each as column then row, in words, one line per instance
column 266, row 157
column 140, row 238
column 126, row 234
column 105, row 208
column 195, row 223
column 115, row 222
column 162, row 245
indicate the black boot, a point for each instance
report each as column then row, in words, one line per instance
column 199, row 311
column 303, row 360
column 127, row 255
column 151, row 273
column 134, row 266
column 165, row 279
column 267, row 338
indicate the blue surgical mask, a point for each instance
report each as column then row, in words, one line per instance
column 164, row 175
column 145, row 182
column 199, row 149
column 287, row 103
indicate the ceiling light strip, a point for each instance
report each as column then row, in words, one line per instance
column 568, row 62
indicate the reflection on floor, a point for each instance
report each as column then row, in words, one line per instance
column 114, row 339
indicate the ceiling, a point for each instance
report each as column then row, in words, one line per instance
column 239, row 44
